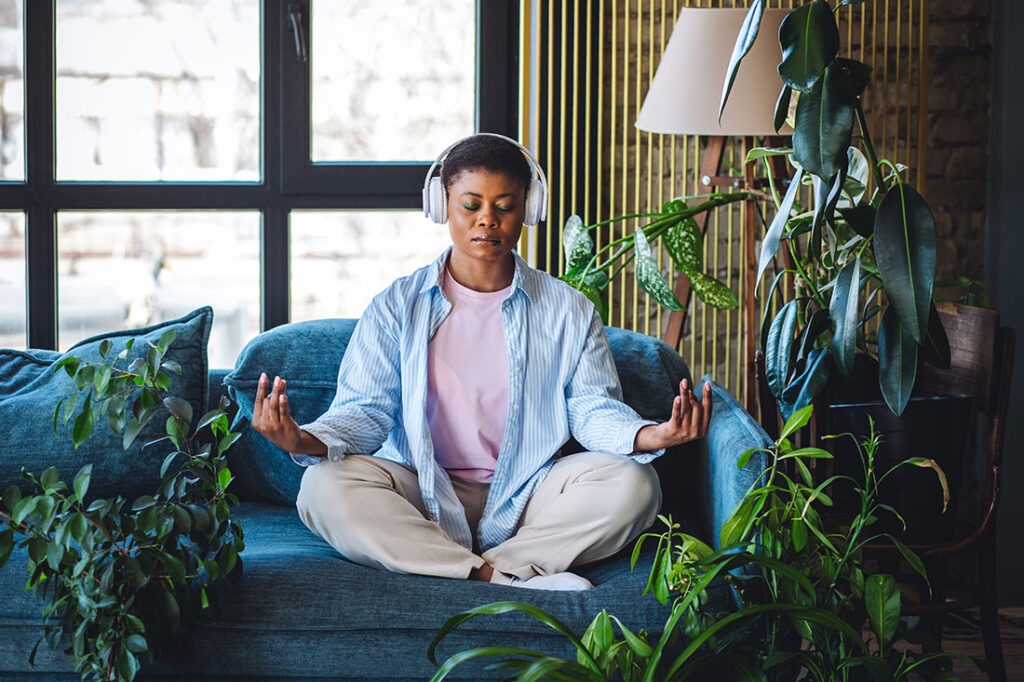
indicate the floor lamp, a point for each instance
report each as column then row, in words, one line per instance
column 683, row 99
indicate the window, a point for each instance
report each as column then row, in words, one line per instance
column 262, row 157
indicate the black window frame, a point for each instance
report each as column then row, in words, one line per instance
column 289, row 181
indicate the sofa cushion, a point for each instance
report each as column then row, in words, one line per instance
column 30, row 390
column 308, row 354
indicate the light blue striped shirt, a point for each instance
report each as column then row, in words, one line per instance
column 562, row 380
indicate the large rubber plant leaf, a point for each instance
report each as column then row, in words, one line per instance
column 806, row 387
column 935, row 349
column 860, row 218
column 772, row 238
column 824, row 125
column 782, row 107
column 905, row 255
column 810, row 41
column 744, row 41
column 843, row 309
column 779, row 348
column 685, row 245
column 648, row 274
column 712, row 291
column 897, row 361
column 578, row 245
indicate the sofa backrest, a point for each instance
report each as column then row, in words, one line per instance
column 308, row 355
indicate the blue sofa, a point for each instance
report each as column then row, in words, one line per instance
column 300, row 611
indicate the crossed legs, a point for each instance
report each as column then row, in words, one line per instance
column 370, row 510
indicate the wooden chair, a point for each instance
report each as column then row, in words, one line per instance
column 981, row 365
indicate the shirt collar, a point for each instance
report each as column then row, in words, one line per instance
column 524, row 279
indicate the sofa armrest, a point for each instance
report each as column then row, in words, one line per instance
column 731, row 432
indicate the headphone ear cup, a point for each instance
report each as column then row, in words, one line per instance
column 536, row 203
column 436, row 206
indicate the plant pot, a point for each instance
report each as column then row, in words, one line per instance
column 934, row 427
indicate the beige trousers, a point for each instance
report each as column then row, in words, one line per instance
column 588, row 507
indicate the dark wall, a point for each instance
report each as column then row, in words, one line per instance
column 1004, row 269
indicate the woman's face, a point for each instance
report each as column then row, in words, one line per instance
column 485, row 214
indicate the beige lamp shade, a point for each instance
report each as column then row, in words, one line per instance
column 687, row 87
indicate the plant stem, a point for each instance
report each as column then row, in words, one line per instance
column 869, row 148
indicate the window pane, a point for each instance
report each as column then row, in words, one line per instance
column 12, row 281
column 158, row 90
column 122, row 270
column 341, row 259
column 12, row 91
column 391, row 80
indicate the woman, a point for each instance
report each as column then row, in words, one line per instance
column 461, row 382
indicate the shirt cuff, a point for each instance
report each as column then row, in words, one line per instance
column 627, row 438
column 336, row 446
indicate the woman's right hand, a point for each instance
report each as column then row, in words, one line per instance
column 270, row 416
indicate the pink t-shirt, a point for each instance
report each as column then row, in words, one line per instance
column 467, row 383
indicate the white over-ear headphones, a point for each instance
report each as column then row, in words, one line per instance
column 435, row 204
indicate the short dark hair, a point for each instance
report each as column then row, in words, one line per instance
column 486, row 152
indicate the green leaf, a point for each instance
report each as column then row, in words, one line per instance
column 734, row 527
column 745, row 457
column 685, row 244
column 882, row 600
column 773, row 237
column 844, row 310
column 805, row 387
column 638, row 646
column 810, row 41
column 171, row 366
column 49, row 479
column 758, row 153
column 69, row 363
column 223, row 478
column 167, row 463
column 713, row 292
column 23, row 509
column 796, row 421
column 824, row 126
column 116, row 414
column 6, row 545
column 78, row 526
column 102, row 379
column 127, row 665
column 81, row 482
column 208, row 418
column 905, row 254
column 782, row 107
column 84, row 376
column 54, row 555
column 166, row 339
column 84, row 424
column 744, row 41
column 935, row 349
column 911, row 556
column 649, row 276
column 897, row 361
column 136, row 643
column 180, row 408
column 860, row 218
column 577, row 243
column 799, row 534
column 134, row 427
column 779, row 348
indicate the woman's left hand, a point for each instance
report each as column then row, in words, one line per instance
column 689, row 421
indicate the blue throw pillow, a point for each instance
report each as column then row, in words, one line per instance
column 307, row 355
column 29, row 391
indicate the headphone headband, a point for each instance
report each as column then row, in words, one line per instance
column 434, row 195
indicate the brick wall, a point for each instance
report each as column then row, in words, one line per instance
column 959, row 53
